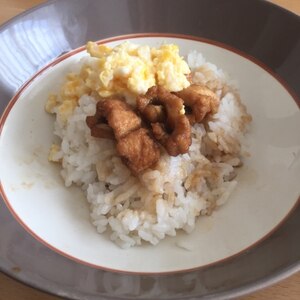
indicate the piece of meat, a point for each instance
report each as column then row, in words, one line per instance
column 154, row 113
column 169, row 124
column 159, row 96
column 113, row 118
column 120, row 117
column 180, row 139
column 199, row 101
column 99, row 128
column 138, row 150
column 149, row 108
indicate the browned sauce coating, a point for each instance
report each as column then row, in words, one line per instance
column 200, row 100
column 98, row 127
column 165, row 112
column 115, row 118
column 117, row 114
column 179, row 141
column 138, row 150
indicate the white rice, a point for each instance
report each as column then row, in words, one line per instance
column 171, row 196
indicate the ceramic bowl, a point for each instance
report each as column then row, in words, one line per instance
column 230, row 249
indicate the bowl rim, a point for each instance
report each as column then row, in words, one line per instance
column 241, row 290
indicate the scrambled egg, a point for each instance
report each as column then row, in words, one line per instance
column 170, row 68
column 127, row 69
column 54, row 153
column 134, row 69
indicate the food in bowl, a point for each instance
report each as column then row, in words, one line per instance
column 153, row 140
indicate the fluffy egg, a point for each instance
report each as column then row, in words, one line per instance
column 127, row 69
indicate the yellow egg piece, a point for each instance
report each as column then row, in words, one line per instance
column 127, row 69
